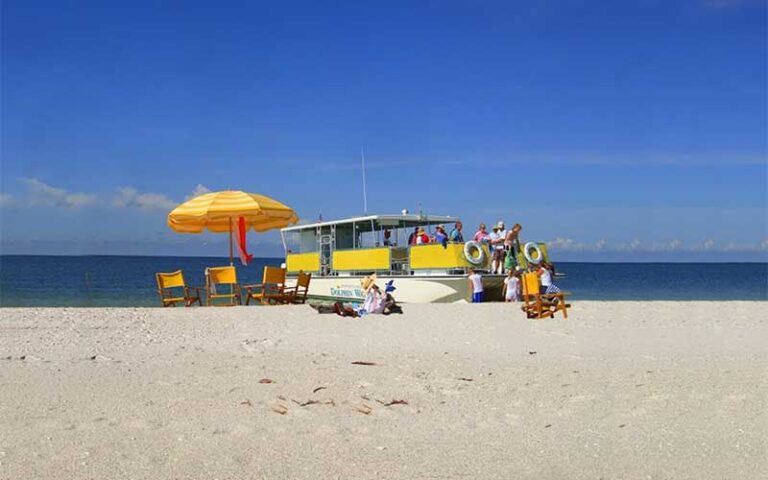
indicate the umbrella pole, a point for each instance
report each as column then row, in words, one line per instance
column 231, row 262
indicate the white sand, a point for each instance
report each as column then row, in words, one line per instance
column 620, row 390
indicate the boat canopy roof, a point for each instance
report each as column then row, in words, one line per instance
column 381, row 221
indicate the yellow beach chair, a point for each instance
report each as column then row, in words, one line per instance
column 271, row 289
column 541, row 305
column 221, row 283
column 172, row 290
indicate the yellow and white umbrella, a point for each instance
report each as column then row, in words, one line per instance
column 216, row 212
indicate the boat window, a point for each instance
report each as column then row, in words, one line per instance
column 300, row 241
column 344, row 236
column 368, row 239
column 308, row 240
column 292, row 242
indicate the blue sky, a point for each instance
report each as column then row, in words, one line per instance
column 620, row 130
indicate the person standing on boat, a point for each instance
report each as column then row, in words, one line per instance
column 421, row 236
column 512, row 246
column 481, row 236
column 456, row 235
column 497, row 245
column 440, row 236
column 476, row 285
column 412, row 236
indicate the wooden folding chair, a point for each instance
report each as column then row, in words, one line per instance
column 270, row 290
column 541, row 305
column 221, row 283
column 173, row 290
column 298, row 293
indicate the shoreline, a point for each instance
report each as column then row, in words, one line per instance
column 663, row 389
column 571, row 299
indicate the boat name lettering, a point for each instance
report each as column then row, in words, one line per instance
column 346, row 292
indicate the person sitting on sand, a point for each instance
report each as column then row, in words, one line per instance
column 374, row 298
column 512, row 287
column 476, row 285
column 481, row 236
column 456, row 235
column 375, row 301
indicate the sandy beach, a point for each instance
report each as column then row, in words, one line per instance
column 620, row 390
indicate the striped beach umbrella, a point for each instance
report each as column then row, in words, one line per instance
column 218, row 211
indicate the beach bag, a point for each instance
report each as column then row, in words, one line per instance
column 509, row 261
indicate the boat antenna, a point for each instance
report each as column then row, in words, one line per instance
column 365, row 197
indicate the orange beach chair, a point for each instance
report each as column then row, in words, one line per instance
column 271, row 289
column 172, row 290
column 541, row 305
column 221, row 284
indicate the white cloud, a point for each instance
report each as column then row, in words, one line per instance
column 671, row 246
column 43, row 194
column 128, row 197
column 745, row 247
column 571, row 245
column 632, row 246
column 6, row 199
column 199, row 190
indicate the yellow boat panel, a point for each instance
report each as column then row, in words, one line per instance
column 308, row 262
column 362, row 259
column 544, row 253
column 435, row 256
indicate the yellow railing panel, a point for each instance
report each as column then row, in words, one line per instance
column 544, row 253
column 435, row 256
column 362, row 259
column 309, row 262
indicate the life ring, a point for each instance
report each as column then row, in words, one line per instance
column 527, row 252
column 469, row 254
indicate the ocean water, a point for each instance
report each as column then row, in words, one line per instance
column 97, row 281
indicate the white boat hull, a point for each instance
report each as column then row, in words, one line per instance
column 409, row 289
